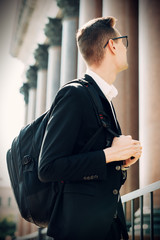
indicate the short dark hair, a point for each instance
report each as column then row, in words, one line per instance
column 92, row 37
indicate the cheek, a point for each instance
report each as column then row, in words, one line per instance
column 123, row 55
column 121, row 60
column 120, row 56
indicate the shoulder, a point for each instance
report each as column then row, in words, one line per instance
column 73, row 90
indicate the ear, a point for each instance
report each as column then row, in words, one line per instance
column 112, row 46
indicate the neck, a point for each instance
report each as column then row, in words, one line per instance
column 106, row 72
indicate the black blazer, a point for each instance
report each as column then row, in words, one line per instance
column 91, row 187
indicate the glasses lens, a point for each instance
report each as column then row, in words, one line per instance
column 125, row 42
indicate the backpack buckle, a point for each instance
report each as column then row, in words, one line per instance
column 102, row 118
column 27, row 159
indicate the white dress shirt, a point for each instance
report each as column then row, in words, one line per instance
column 108, row 90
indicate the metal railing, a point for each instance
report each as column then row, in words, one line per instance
column 130, row 197
column 140, row 194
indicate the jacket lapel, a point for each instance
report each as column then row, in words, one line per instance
column 118, row 127
column 106, row 104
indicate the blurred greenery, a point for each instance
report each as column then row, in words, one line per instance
column 7, row 228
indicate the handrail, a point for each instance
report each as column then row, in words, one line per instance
column 140, row 192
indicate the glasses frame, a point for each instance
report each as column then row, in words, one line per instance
column 116, row 39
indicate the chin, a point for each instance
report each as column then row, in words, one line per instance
column 124, row 67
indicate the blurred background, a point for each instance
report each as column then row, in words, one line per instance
column 38, row 54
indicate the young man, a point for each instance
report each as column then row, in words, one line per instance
column 90, row 206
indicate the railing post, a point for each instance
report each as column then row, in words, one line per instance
column 40, row 237
column 124, row 208
column 151, row 217
column 141, row 217
column 132, row 218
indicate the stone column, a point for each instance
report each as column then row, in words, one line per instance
column 70, row 11
column 26, row 226
column 149, row 95
column 41, row 56
column 126, row 103
column 25, row 91
column 19, row 228
column 23, row 227
column 31, row 75
column 53, row 31
column 87, row 10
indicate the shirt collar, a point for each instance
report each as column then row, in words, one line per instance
column 108, row 90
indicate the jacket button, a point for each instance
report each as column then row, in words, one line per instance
column 115, row 191
column 118, row 168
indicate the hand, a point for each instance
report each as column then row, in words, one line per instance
column 127, row 147
column 123, row 147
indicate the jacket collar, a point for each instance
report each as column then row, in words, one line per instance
column 91, row 81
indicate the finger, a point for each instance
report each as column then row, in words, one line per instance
column 134, row 160
column 138, row 148
column 137, row 156
column 129, row 136
column 136, row 142
column 123, row 136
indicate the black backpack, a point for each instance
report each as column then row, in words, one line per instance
column 34, row 198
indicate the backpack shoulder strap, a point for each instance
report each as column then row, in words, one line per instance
column 98, row 107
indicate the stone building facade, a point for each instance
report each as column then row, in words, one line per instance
column 54, row 60
column 8, row 206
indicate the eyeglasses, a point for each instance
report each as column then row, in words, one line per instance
column 124, row 40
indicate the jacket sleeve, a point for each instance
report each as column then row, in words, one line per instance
column 57, row 161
